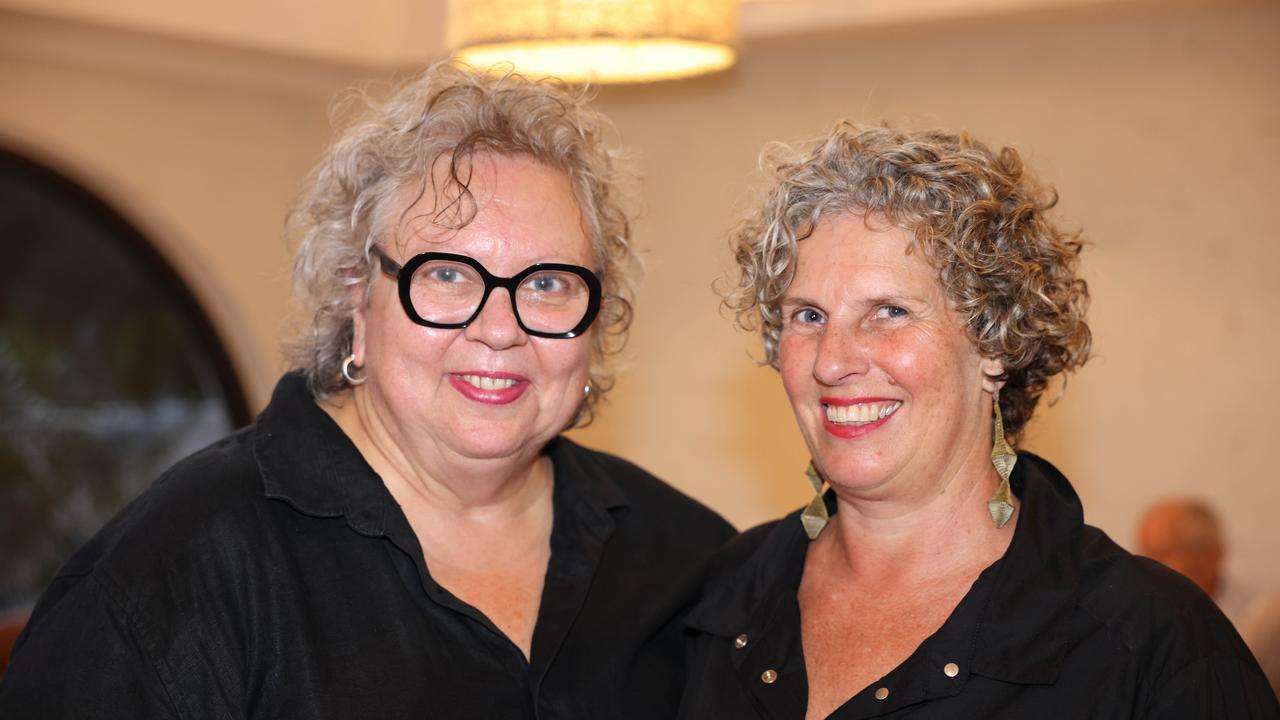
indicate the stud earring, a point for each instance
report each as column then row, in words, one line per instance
column 346, row 371
column 814, row 517
column 1003, row 457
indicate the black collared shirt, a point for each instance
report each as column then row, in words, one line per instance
column 1065, row 625
column 272, row 575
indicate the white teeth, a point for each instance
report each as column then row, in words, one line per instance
column 488, row 383
column 862, row 413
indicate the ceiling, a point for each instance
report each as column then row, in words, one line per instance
column 400, row 33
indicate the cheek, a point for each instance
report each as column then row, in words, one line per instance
column 374, row 339
column 404, row 352
column 566, row 361
column 795, row 363
column 936, row 364
column 372, row 330
column 916, row 361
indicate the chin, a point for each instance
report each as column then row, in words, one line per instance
column 852, row 469
column 494, row 440
column 492, row 445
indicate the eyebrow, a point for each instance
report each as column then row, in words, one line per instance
column 796, row 301
column 791, row 301
column 895, row 300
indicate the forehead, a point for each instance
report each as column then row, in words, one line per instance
column 502, row 210
column 845, row 251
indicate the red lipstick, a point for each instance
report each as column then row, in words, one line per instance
column 493, row 396
column 848, row 432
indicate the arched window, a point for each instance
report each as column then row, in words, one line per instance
column 109, row 372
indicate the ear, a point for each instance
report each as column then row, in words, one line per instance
column 358, row 319
column 991, row 369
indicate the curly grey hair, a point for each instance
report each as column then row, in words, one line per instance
column 451, row 113
column 976, row 214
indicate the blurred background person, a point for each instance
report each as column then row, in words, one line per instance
column 403, row 532
column 1184, row 534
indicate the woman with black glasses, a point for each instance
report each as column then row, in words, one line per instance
column 403, row 532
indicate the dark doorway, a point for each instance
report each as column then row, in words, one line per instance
column 109, row 372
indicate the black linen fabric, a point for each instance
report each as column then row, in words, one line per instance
column 272, row 575
column 1065, row 625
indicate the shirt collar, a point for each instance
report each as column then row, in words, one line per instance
column 585, row 485
column 307, row 461
column 1010, row 625
column 1021, row 632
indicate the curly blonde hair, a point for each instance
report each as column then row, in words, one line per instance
column 979, row 219
column 450, row 113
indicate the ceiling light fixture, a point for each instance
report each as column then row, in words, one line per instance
column 602, row 41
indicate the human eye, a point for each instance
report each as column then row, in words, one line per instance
column 442, row 276
column 806, row 317
column 552, row 286
column 546, row 282
column 890, row 312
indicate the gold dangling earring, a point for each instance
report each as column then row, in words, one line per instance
column 814, row 517
column 1003, row 457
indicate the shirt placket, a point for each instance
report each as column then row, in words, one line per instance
column 772, row 672
column 578, row 537
column 419, row 581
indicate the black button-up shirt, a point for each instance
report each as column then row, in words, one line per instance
column 273, row 576
column 1065, row 625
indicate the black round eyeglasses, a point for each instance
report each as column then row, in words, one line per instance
column 444, row 290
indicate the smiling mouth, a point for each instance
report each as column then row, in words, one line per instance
column 860, row 414
column 482, row 382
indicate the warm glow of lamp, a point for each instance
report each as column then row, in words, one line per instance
column 604, row 41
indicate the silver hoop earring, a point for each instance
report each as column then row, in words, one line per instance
column 586, row 391
column 346, row 371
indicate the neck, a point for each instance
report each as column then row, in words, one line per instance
column 941, row 528
column 427, row 477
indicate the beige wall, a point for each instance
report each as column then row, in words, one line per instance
column 1160, row 128
column 371, row 31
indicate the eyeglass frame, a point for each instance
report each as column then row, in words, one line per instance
column 403, row 275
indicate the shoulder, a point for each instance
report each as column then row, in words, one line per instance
column 756, row 564
column 1145, row 606
column 1189, row 652
column 1195, row 663
column 746, row 566
column 193, row 507
column 131, row 604
column 1150, row 609
column 1182, row 650
column 651, row 500
column 742, row 550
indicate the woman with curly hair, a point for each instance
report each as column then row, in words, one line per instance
column 403, row 532
column 916, row 300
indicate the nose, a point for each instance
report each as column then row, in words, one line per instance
column 842, row 352
column 496, row 325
